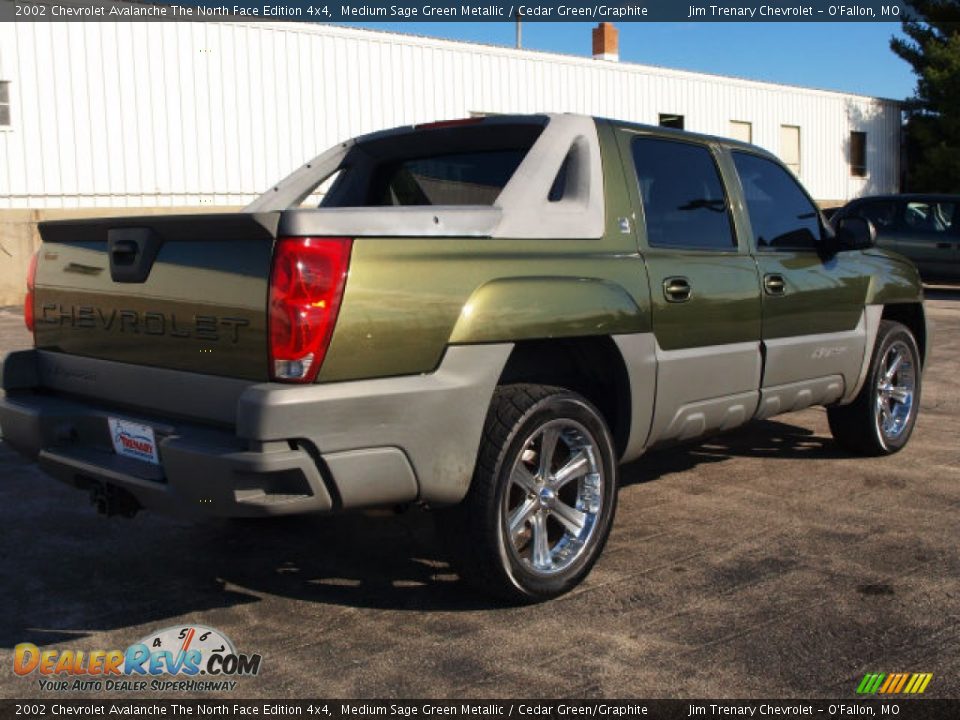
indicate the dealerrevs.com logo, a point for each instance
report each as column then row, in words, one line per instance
column 187, row 659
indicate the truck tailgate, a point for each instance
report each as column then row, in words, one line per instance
column 178, row 292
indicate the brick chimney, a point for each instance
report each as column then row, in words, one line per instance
column 605, row 42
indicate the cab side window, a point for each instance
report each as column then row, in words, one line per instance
column 781, row 214
column 684, row 203
column 929, row 217
column 882, row 213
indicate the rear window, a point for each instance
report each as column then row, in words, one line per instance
column 455, row 179
column 464, row 165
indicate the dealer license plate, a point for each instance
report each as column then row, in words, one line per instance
column 133, row 440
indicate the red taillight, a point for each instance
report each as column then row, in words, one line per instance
column 31, row 286
column 306, row 286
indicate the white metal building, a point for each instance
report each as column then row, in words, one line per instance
column 154, row 115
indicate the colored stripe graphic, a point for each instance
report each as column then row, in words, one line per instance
column 894, row 683
column 903, row 679
column 870, row 683
column 892, row 680
column 918, row 683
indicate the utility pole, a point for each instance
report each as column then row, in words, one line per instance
column 519, row 31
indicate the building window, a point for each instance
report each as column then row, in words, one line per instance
column 790, row 147
column 4, row 103
column 671, row 120
column 858, row 154
column 741, row 130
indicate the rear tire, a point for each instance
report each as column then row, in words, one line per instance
column 542, row 499
column 881, row 418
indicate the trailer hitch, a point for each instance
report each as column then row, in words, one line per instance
column 110, row 500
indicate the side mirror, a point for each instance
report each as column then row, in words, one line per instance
column 855, row 233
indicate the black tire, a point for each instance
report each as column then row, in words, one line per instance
column 518, row 428
column 876, row 423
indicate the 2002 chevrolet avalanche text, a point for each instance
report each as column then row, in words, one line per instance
column 486, row 315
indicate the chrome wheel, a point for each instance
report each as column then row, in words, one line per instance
column 895, row 393
column 542, row 498
column 554, row 497
column 881, row 418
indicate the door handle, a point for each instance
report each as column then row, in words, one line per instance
column 774, row 284
column 943, row 246
column 677, row 289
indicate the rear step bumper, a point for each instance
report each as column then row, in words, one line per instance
column 292, row 449
column 202, row 471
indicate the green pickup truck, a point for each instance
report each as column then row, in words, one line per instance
column 485, row 316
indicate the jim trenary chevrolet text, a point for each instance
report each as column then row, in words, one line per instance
column 485, row 317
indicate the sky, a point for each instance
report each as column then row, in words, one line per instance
column 850, row 57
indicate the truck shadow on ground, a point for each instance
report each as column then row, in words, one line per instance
column 79, row 573
column 767, row 439
column 397, row 562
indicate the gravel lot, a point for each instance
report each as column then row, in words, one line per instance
column 765, row 563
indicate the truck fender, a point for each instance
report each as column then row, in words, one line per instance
column 527, row 308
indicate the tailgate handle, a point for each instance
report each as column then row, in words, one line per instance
column 124, row 251
column 943, row 246
column 132, row 252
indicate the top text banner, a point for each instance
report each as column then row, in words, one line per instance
column 459, row 10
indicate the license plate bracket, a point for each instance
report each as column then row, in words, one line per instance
column 133, row 440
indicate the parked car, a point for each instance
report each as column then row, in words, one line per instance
column 487, row 316
column 924, row 228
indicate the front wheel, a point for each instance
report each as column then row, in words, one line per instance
column 543, row 495
column 881, row 418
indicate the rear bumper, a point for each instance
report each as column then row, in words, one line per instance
column 202, row 471
column 289, row 449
